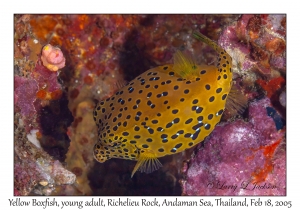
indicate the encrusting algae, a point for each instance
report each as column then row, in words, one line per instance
column 163, row 111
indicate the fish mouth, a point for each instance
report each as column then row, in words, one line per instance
column 97, row 154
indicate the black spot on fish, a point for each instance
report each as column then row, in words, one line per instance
column 173, row 150
column 125, row 133
column 195, row 127
column 186, row 91
column 163, row 136
column 154, row 121
column 220, row 112
column 150, row 130
column 131, row 89
column 174, row 111
column 178, row 145
column 207, row 126
column 159, row 129
column 176, row 120
column 165, row 93
column 211, row 99
column 219, row 90
column 187, row 135
column 169, row 125
column 189, row 121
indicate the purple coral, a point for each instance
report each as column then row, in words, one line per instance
column 25, row 94
column 239, row 156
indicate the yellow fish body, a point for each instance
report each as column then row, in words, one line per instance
column 163, row 111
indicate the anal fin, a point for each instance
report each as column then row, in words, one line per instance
column 147, row 162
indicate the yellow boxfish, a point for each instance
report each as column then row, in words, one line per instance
column 163, row 111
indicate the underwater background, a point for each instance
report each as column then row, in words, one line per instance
column 86, row 60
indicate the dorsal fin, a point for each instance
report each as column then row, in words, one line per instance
column 184, row 65
column 147, row 162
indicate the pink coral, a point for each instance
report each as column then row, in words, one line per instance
column 240, row 158
column 52, row 58
column 25, row 94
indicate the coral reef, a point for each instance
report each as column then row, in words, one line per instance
column 240, row 157
column 33, row 166
column 97, row 54
column 41, row 118
column 52, row 58
column 247, row 157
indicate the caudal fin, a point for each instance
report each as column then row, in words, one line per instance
column 236, row 102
